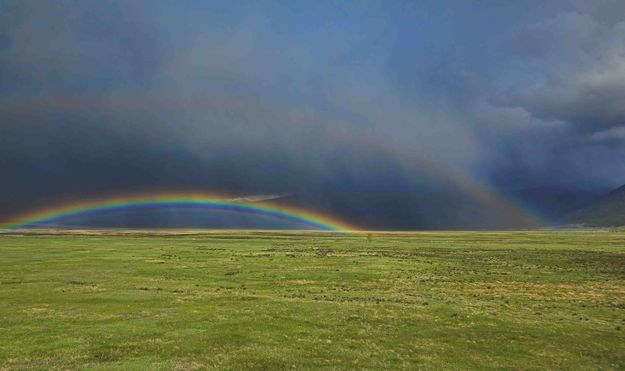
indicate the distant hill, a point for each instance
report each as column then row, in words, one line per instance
column 557, row 202
column 606, row 211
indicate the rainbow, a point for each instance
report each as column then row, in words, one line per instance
column 152, row 201
column 510, row 208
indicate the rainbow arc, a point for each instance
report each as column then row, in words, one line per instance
column 152, row 201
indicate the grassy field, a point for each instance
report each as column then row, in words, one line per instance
column 272, row 300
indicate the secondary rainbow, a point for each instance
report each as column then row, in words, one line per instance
column 508, row 207
column 291, row 215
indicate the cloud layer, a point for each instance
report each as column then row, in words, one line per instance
column 376, row 113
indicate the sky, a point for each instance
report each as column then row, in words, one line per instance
column 388, row 114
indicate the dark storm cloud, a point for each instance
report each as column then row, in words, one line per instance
column 566, row 75
column 86, row 145
column 335, row 105
column 584, row 78
column 62, row 45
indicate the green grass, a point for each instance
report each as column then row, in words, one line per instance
column 281, row 300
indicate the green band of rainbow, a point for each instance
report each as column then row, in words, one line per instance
column 287, row 214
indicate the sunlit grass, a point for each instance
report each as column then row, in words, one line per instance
column 233, row 299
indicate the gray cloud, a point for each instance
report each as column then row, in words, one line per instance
column 614, row 135
column 109, row 96
column 561, row 95
column 68, row 45
column 583, row 82
column 258, row 198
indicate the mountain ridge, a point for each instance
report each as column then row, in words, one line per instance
column 607, row 211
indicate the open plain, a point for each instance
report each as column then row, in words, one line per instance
column 272, row 300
